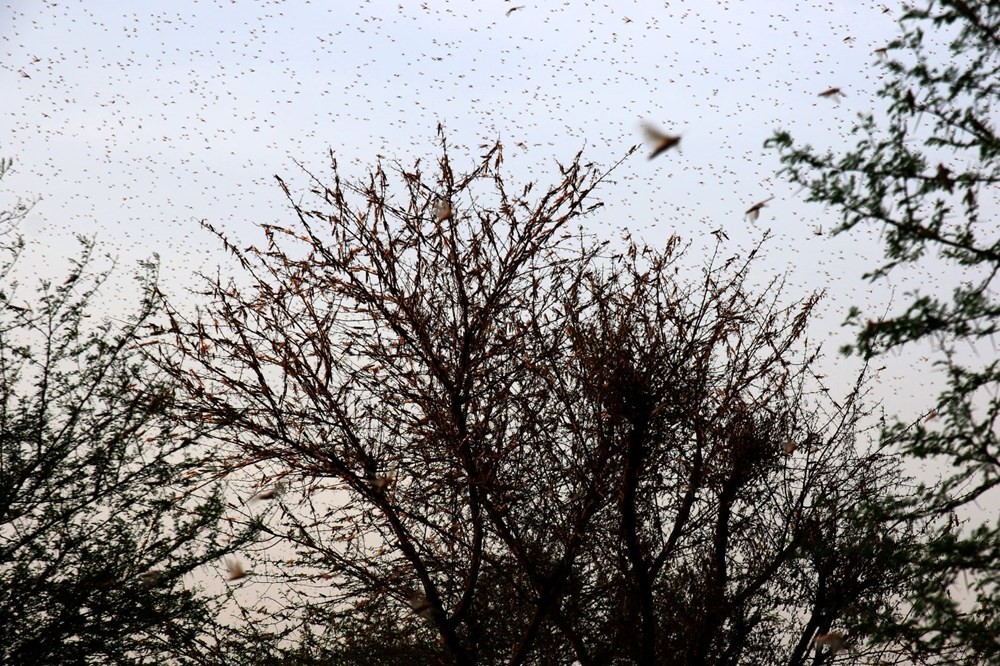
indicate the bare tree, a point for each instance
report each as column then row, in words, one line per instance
column 494, row 439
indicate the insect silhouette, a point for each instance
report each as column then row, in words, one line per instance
column 661, row 142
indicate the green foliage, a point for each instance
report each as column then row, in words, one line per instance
column 923, row 174
column 101, row 514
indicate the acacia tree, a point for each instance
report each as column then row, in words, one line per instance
column 924, row 175
column 492, row 440
column 100, row 513
column 12, row 214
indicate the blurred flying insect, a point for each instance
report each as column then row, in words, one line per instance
column 836, row 94
column 753, row 212
column 236, row 569
column 150, row 576
column 268, row 493
column 422, row 606
column 661, row 142
column 442, row 211
column 834, row 641
column 381, row 483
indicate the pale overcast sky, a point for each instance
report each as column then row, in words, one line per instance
column 133, row 120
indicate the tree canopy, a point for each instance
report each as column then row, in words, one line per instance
column 924, row 175
column 493, row 438
column 104, row 508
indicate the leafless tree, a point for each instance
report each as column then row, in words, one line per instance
column 492, row 438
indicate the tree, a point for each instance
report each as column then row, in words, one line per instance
column 101, row 514
column 11, row 215
column 923, row 175
column 491, row 442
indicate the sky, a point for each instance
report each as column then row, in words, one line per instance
column 130, row 122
